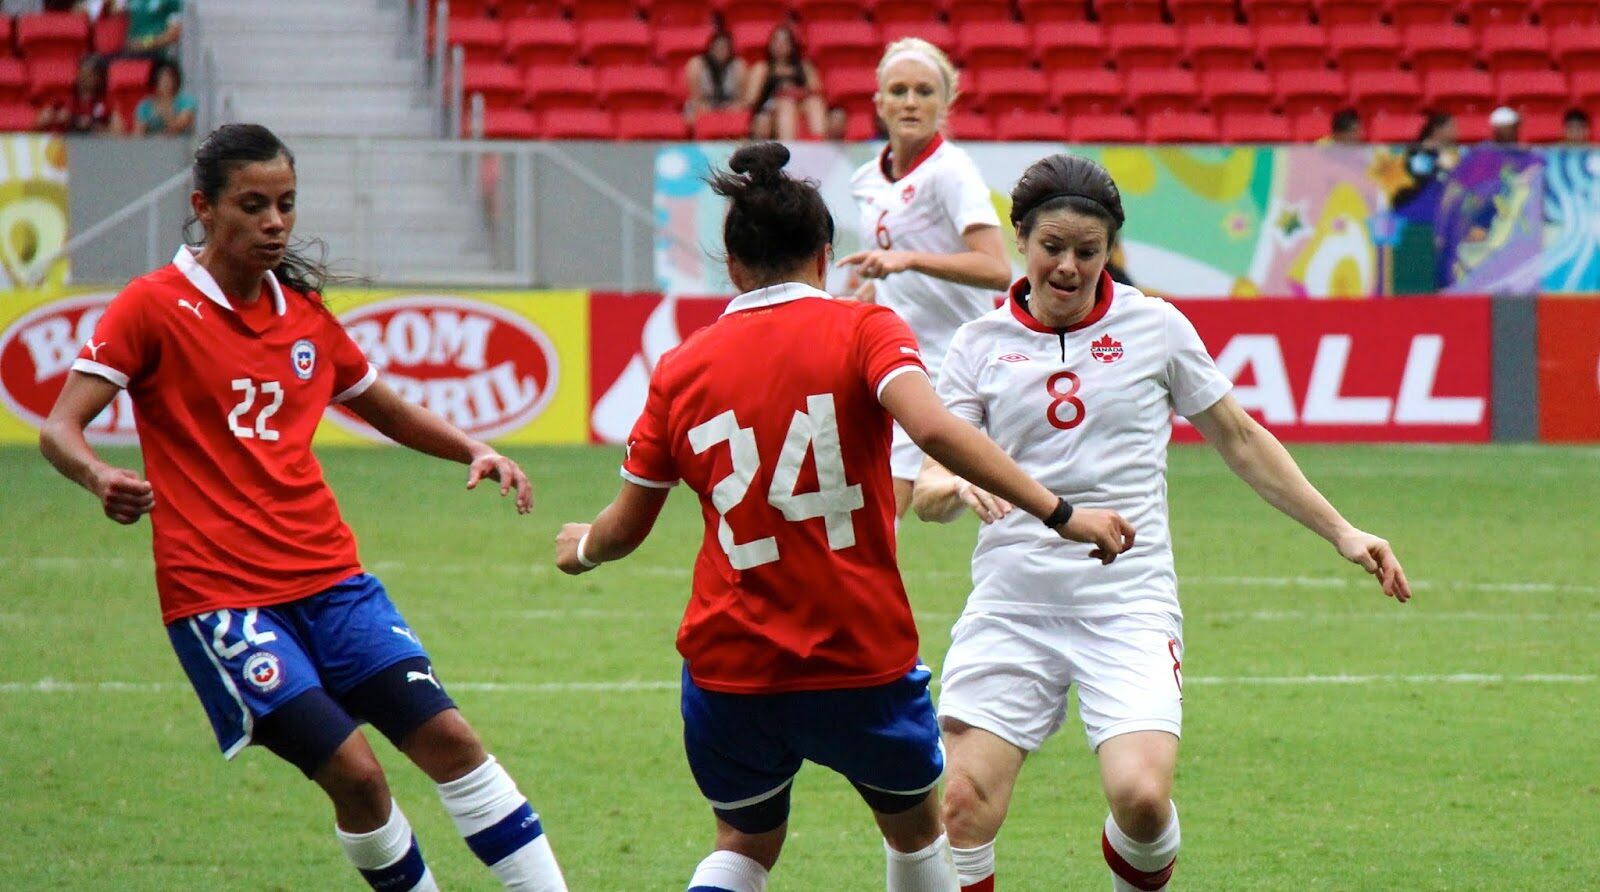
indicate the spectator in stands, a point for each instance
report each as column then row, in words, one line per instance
column 1575, row 127
column 1434, row 153
column 87, row 111
column 154, row 27
column 783, row 87
column 1505, row 126
column 716, row 77
column 166, row 110
column 1345, row 130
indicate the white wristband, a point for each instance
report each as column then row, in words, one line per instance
column 583, row 558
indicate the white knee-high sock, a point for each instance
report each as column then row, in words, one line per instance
column 975, row 866
column 388, row 857
column 928, row 870
column 502, row 829
column 1141, row 866
column 724, row 871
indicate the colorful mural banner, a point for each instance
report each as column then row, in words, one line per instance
column 1299, row 221
column 33, row 210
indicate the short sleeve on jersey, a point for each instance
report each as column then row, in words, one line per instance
column 1192, row 376
column 649, row 461
column 120, row 349
column 966, row 196
column 958, row 380
column 885, row 348
column 352, row 373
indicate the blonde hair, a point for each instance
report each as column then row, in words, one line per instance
column 916, row 47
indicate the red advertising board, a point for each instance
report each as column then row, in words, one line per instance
column 1569, row 369
column 1392, row 370
column 627, row 334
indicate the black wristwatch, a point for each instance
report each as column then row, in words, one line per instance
column 1061, row 515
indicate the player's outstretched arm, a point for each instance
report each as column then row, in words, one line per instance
column 417, row 428
column 982, row 265
column 617, row 530
column 123, row 494
column 1253, row 453
column 940, row 497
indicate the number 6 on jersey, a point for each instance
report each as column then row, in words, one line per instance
column 815, row 430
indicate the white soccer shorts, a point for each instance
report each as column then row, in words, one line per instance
column 1009, row 675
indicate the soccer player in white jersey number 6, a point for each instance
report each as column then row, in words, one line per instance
column 798, row 641
column 1076, row 378
column 936, row 255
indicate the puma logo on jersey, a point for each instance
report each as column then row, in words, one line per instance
column 910, row 351
column 189, row 306
column 1013, row 357
column 94, row 349
column 428, row 677
column 404, row 633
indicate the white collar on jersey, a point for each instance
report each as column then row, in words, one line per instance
column 202, row 280
column 772, row 295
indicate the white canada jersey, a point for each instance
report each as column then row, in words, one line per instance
column 927, row 210
column 1087, row 411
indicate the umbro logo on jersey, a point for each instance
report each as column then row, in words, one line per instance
column 94, row 349
column 1014, row 357
column 908, row 193
column 195, row 307
column 1106, row 350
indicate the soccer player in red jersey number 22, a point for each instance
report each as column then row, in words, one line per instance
column 798, row 640
column 231, row 358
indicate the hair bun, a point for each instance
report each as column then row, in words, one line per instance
column 761, row 161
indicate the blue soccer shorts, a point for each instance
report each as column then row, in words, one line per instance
column 745, row 749
column 246, row 664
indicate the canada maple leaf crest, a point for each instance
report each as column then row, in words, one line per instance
column 908, row 193
column 1105, row 349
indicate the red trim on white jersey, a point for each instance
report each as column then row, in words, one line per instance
column 888, row 169
column 1102, row 305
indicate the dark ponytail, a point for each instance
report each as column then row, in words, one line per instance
column 229, row 148
column 774, row 221
column 1066, row 182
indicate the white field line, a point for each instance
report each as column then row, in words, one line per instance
column 53, row 686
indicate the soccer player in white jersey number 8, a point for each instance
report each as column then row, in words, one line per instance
column 798, row 641
column 1076, row 378
column 935, row 254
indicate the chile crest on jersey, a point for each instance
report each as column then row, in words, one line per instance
column 303, row 355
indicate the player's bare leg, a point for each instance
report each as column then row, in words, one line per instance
column 902, row 497
column 740, row 861
column 915, row 849
column 372, row 830
column 1141, row 836
column 980, row 775
column 492, row 815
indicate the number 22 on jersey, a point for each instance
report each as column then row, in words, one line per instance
column 815, row 430
column 269, row 390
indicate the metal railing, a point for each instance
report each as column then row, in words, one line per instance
column 156, row 243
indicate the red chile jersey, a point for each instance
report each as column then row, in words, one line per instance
column 771, row 414
column 226, row 400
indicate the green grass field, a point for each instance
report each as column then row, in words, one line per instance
column 1333, row 739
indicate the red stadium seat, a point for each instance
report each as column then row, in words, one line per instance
column 834, row 44
column 502, row 86
column 14, row 79
column 961, row 12
column 1531, row 92
column 1070, row 45
column 937, row 33
column 109, row 35
column 729, row 123
column 750, row 40
column 481, row 40
column 1473, row 129
column 1566, row 13
column 1189, row 127
column 1007, row 90
column 52, row 35
column 1103, row 128
column 680, row 13
column 860, row 126
column 851, row 88
column 589, row 11
column 1393, row 127
column 1128, row 12
column 1023, row 125
column 1145, row 46
column 662, row 124
column 127, row 81
column 532, row 9
column 1440, row 48
column 1405, row 13
column 1365, row 48
column 1498, row 13
column 615, row 42
column 560, row 87
column 1292, row 47
column 1037, row 12
column 51, row 79
column 509, row 123
column 1521, row 48
column 1276, row 12
column 17, row 117
column 1541, row 128
column 969, row 126
column 470, row 9
column 628, row 88
column 1585, row 87
column 1152, row 91
column 1397, row 91
column 1321, row 92
column 1254, row 127
column 1309, row 126
column 676, row 45
column 913, row 11
column 1576, row 49
column 994, row 44
column 1237, row 92
column 1088, row 92
column 814, row 11
column 767, row 12
column 1459, row 92
column 541, row 42
column 1333, row 13
column 1202, row 12
column 1219, row 48
column 583, row 123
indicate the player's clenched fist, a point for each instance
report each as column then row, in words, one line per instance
column 1101, row 527
column 123, row 494
column 569, row 559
